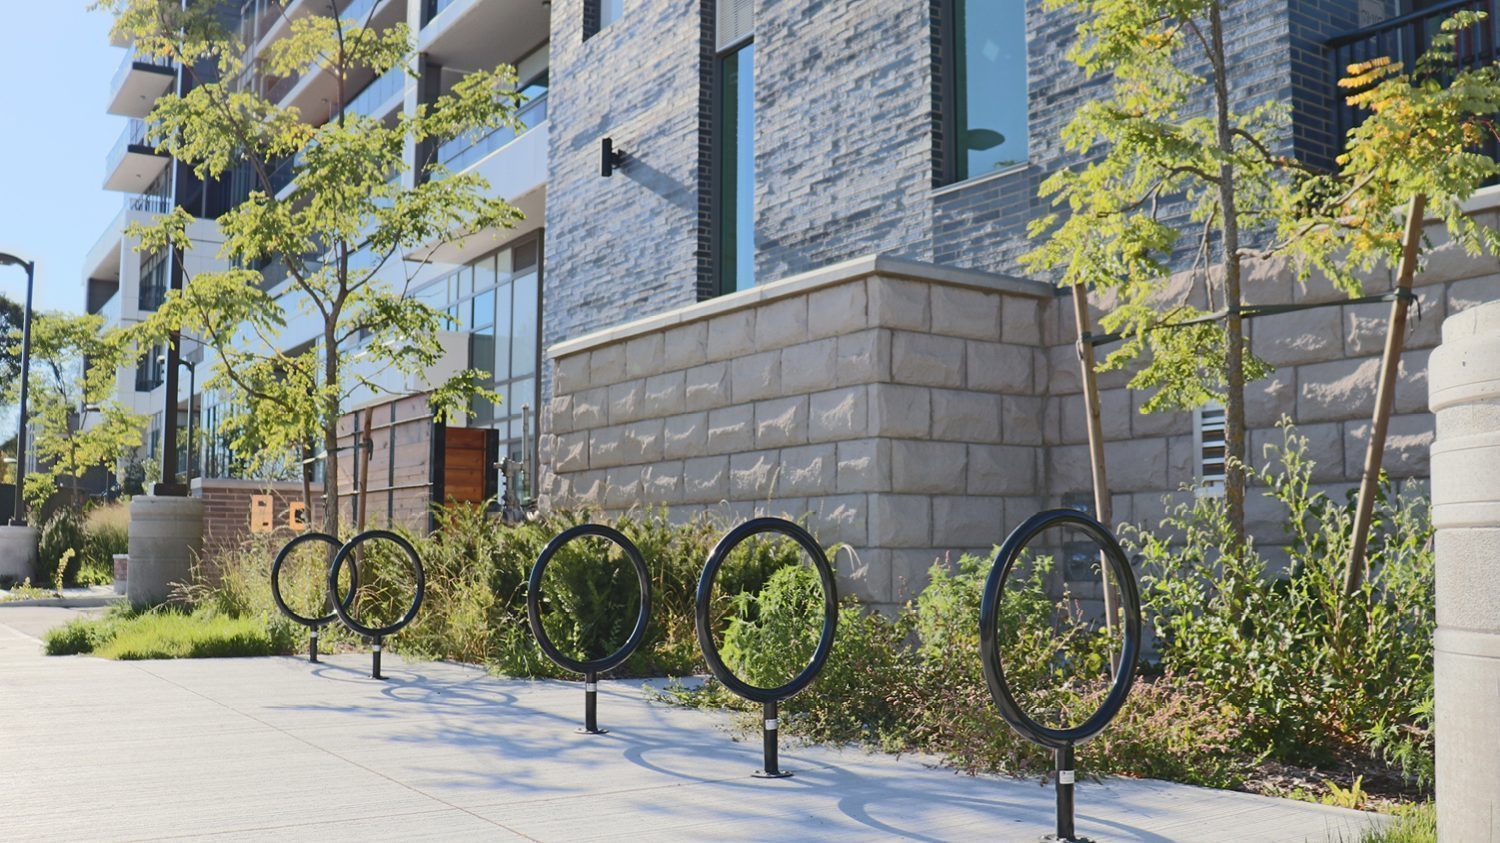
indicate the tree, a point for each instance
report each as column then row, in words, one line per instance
column 1168, row 142
column 346, row 218
column 76, row 423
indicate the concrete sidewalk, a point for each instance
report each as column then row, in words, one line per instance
column 281, row 749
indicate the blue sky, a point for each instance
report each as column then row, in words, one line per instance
column 55, row 69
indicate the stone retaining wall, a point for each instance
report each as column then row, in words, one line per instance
column 895, row 403
column 914, row 411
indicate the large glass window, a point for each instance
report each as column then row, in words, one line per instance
column 736, row 166
column 497, row 301
column 989, row 86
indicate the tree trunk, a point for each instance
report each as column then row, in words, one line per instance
column 330, row 431
column 1234, row 325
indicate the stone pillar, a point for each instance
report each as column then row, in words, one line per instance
column 166, row 538
column 1465, row 395
column 18, row 546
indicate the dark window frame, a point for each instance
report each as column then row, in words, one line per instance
column 949, row 70
column 718, row 167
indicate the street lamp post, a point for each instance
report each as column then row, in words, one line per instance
column 192, row 419
column 19, row 518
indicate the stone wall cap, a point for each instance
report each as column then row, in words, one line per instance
column 200, row 483
column 883, row 266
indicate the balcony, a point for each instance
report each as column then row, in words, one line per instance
column 138, row 84
column 472, row 33
column 1403, row 39
column 380, row 96
column 313, row 89
column 148, row 203
column 465, row 151
column 133, row 164
column 110, row 309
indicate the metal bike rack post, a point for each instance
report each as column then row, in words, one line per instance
column 593, row 667
column 767, row 697
column 312, row 624
column 377, row 635
column 1060, row 741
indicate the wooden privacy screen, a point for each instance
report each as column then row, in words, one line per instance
column 401, row 462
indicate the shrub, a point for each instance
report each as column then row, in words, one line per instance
column 1309, row 675
column 107, row 531
column 771, row 638
column 62, row 545
column 476, row 574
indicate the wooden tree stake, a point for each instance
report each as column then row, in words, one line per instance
column 1390, row 365
column 1102, row 508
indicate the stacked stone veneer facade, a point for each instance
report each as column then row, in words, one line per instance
column 916, row 411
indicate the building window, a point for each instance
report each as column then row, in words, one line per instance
column 153, row 281
column 987, row 66
column 598, row 14
column 735, row 156
column 496, row 300
column 1208, row 441
column 150, row 371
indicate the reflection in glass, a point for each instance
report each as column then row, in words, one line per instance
column 990, row 85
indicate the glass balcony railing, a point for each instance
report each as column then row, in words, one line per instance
column 466, row 150
column 133, row 135
column 378, row 92
column 132, row 58
column 110, row 310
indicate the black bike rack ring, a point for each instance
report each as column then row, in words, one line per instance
column 592, row 667
column 377, row 635
column 1060, row 741
column 767, row 697
column 313, row 624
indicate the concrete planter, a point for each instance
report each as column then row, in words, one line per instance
column 1465, row 394
column 121, row 571
column 166, row 538
column 18, row 553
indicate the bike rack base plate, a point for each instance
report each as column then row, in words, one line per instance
column 762, row 774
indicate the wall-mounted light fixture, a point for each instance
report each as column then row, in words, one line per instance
column 609, row 158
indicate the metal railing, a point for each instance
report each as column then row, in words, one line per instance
column 463, row 151
column 1405, row 38
column 148, row 202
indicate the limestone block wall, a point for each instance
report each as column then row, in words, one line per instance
column 1327, row 363
column 899, row 405
column 916, row 411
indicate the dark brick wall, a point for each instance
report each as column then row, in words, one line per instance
column 849, row 140
column 627, row 245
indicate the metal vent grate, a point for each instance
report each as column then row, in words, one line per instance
column 1209, row 433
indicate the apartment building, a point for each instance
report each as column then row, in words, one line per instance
column 828, row 317
column 790, row 278
column 489, row 285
